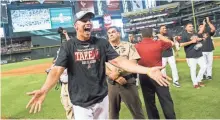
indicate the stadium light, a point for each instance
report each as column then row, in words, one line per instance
column 194, row 17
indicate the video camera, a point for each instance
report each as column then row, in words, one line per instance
column 60, row 30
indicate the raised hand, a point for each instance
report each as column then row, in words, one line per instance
column 207, row 19
column 204, row 23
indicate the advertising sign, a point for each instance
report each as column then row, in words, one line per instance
column 61, row 17
column 86, row 5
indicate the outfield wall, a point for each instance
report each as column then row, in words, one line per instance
column 35, row 53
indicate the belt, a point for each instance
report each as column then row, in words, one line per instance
column 128, row 76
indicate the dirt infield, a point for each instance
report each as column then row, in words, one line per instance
column 217, row 44
column 34, row 69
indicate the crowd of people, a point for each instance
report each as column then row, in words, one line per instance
column 16, row 47
column 102, row 74
column 28, row 20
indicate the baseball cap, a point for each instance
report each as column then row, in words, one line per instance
column 79, row 15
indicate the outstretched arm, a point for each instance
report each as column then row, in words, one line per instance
column 52, row 78
column 38, row 96
column 165, row 39
column 129, row 66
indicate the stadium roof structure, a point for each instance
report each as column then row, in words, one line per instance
column 152, row 10
column 177, row 13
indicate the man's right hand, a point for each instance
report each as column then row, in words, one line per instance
column 121, row 80
column 36, row 101
column 194, row 40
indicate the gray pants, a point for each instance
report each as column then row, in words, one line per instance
column 129, row 95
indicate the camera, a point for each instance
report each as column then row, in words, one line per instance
column 60, row 30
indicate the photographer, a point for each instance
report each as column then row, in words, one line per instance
column 63, row 34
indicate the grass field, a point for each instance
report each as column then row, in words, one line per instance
column 189, row 103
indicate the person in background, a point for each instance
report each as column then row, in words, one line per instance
column 168, row 57
column 139, row 39
column 123, row 88
column 208, row 47
column 150, row 51
column 131, row 38
column 193, row 49
column 63, row 34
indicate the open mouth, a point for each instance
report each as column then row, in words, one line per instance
column 87, row 29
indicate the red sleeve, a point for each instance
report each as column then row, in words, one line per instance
column 165, row 45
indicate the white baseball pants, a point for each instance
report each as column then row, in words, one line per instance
column 192, row 63
column 172, row 62
column 95, row 111
column 208, row 56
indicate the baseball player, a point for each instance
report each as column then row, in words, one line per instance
column 168, row 57
column 84, row 57
column 193, row 49
column 208, row 47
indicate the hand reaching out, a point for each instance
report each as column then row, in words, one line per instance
column 155, row 74
column 36, row 101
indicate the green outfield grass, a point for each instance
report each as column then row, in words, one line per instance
column 189, row 102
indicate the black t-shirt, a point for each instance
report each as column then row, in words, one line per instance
column 190, row 50
column 85, row 62
column 208, row 43
column 168, row 52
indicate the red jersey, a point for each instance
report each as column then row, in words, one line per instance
column 150, row 51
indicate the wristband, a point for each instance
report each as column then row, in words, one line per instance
column 148, row 72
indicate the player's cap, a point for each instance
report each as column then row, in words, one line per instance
column 79, row 15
